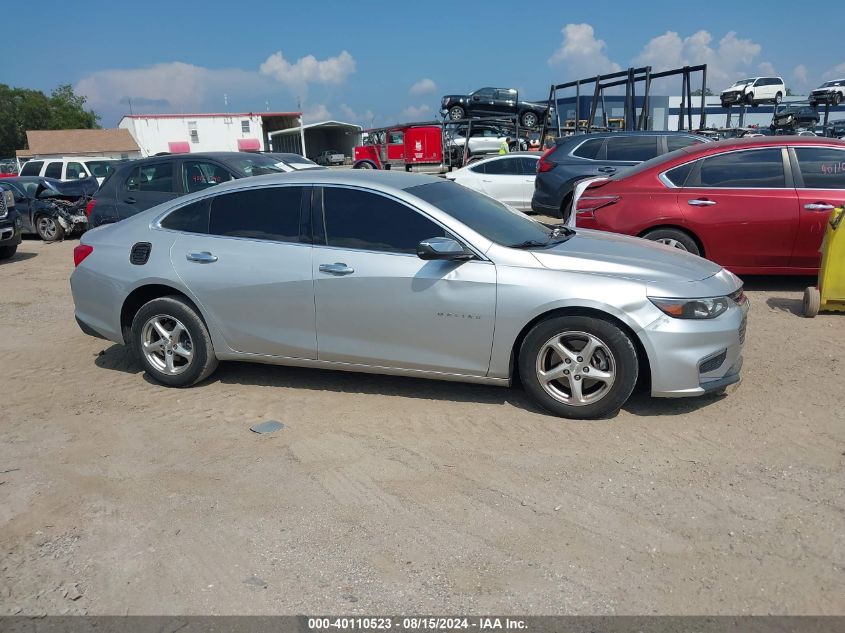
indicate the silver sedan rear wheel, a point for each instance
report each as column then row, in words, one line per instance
column 576, row 368
column 167, row 344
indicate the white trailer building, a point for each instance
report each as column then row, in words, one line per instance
column 206, row 132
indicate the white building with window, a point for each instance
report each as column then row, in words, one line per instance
column 206, row 132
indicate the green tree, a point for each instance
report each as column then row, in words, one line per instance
column 22, row 109
column 789, row 92
column 707, row 92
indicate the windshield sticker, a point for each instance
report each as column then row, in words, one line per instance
column 830, row 169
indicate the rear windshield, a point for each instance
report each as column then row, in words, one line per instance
column 652, row 162
column 100, row 168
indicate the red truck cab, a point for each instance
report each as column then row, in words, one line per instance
column 402, row 146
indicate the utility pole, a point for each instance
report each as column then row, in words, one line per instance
column 301, row 126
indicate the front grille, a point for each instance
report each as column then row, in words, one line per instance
column 4, row 210
column 713, row 364
column 140, row 253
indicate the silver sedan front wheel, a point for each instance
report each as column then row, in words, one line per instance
column 167, row 345
column 576, row 368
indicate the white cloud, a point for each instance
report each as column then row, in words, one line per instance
column 800, row 79
column 423, row 86
column 726, row 61
column 352, row 116
column 767, row 69
column 169, row 86
column 581, row 53
column 837, row 72
column 308, row 69
column 415, row 112
column 315, row 113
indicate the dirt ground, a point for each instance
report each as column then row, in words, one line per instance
column 397, row 495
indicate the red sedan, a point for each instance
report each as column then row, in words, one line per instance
column 755, row 206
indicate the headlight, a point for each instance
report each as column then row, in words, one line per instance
column 706, row 308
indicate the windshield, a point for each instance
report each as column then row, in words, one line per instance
column 831, row 84
column 495, row 221
column 741, row 82
column 100, row 168
column 256, row 165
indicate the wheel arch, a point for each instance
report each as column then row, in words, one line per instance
column 677, row 227
column 145, row 293
column 644, row 380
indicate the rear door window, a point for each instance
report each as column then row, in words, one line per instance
column 32, row 168
column 153, row 177
column 822, row 167
column 192, row 218
column 678, row 176
column 632, row 148
column 54, row 170
column 589, row 149
column 758, row 169
column 269, row 213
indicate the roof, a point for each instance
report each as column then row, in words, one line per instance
column 321, row 124
column 201, row 115
column 77, row 142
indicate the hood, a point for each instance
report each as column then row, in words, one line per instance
column 67, row 188
column 610, row 254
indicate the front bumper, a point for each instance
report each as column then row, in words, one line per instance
column 694, row 357
column 10, row 232
column 732, row 97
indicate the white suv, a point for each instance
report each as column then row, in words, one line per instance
column 753, row 91
column 832, row 92
column 70, row 167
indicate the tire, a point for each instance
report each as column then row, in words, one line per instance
column 49, row 229
column 837, row 98
column 566, row 208
column 812, row 302
column 529, row 119
column 457, row 112
column 778, row 98
column 8, row 252
column 675, row 238
column 173, row 314
column 749, row 99
column 614, row 358
column 363, row 165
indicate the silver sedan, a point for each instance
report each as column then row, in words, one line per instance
column 407, row 274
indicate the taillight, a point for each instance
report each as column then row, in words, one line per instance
column 544, row 164
column 81, row 252
column 587, row 207
column 90, row 207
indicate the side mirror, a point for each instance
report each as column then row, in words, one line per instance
column 442, row 248
column 82, row 175
column 475, row 98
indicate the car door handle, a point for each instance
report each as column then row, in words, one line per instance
column 201, row 258
column 819, row 206
column 699, row 202
column 338, row 268
column 130, row 200
column 607, row 170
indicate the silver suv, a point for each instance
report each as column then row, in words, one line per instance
column 412, row 275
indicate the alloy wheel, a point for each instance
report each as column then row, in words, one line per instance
column 673, row 243
column 576, row 368
column 167, row 345
column 47, row 228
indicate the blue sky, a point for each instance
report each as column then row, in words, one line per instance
column 360, row 60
